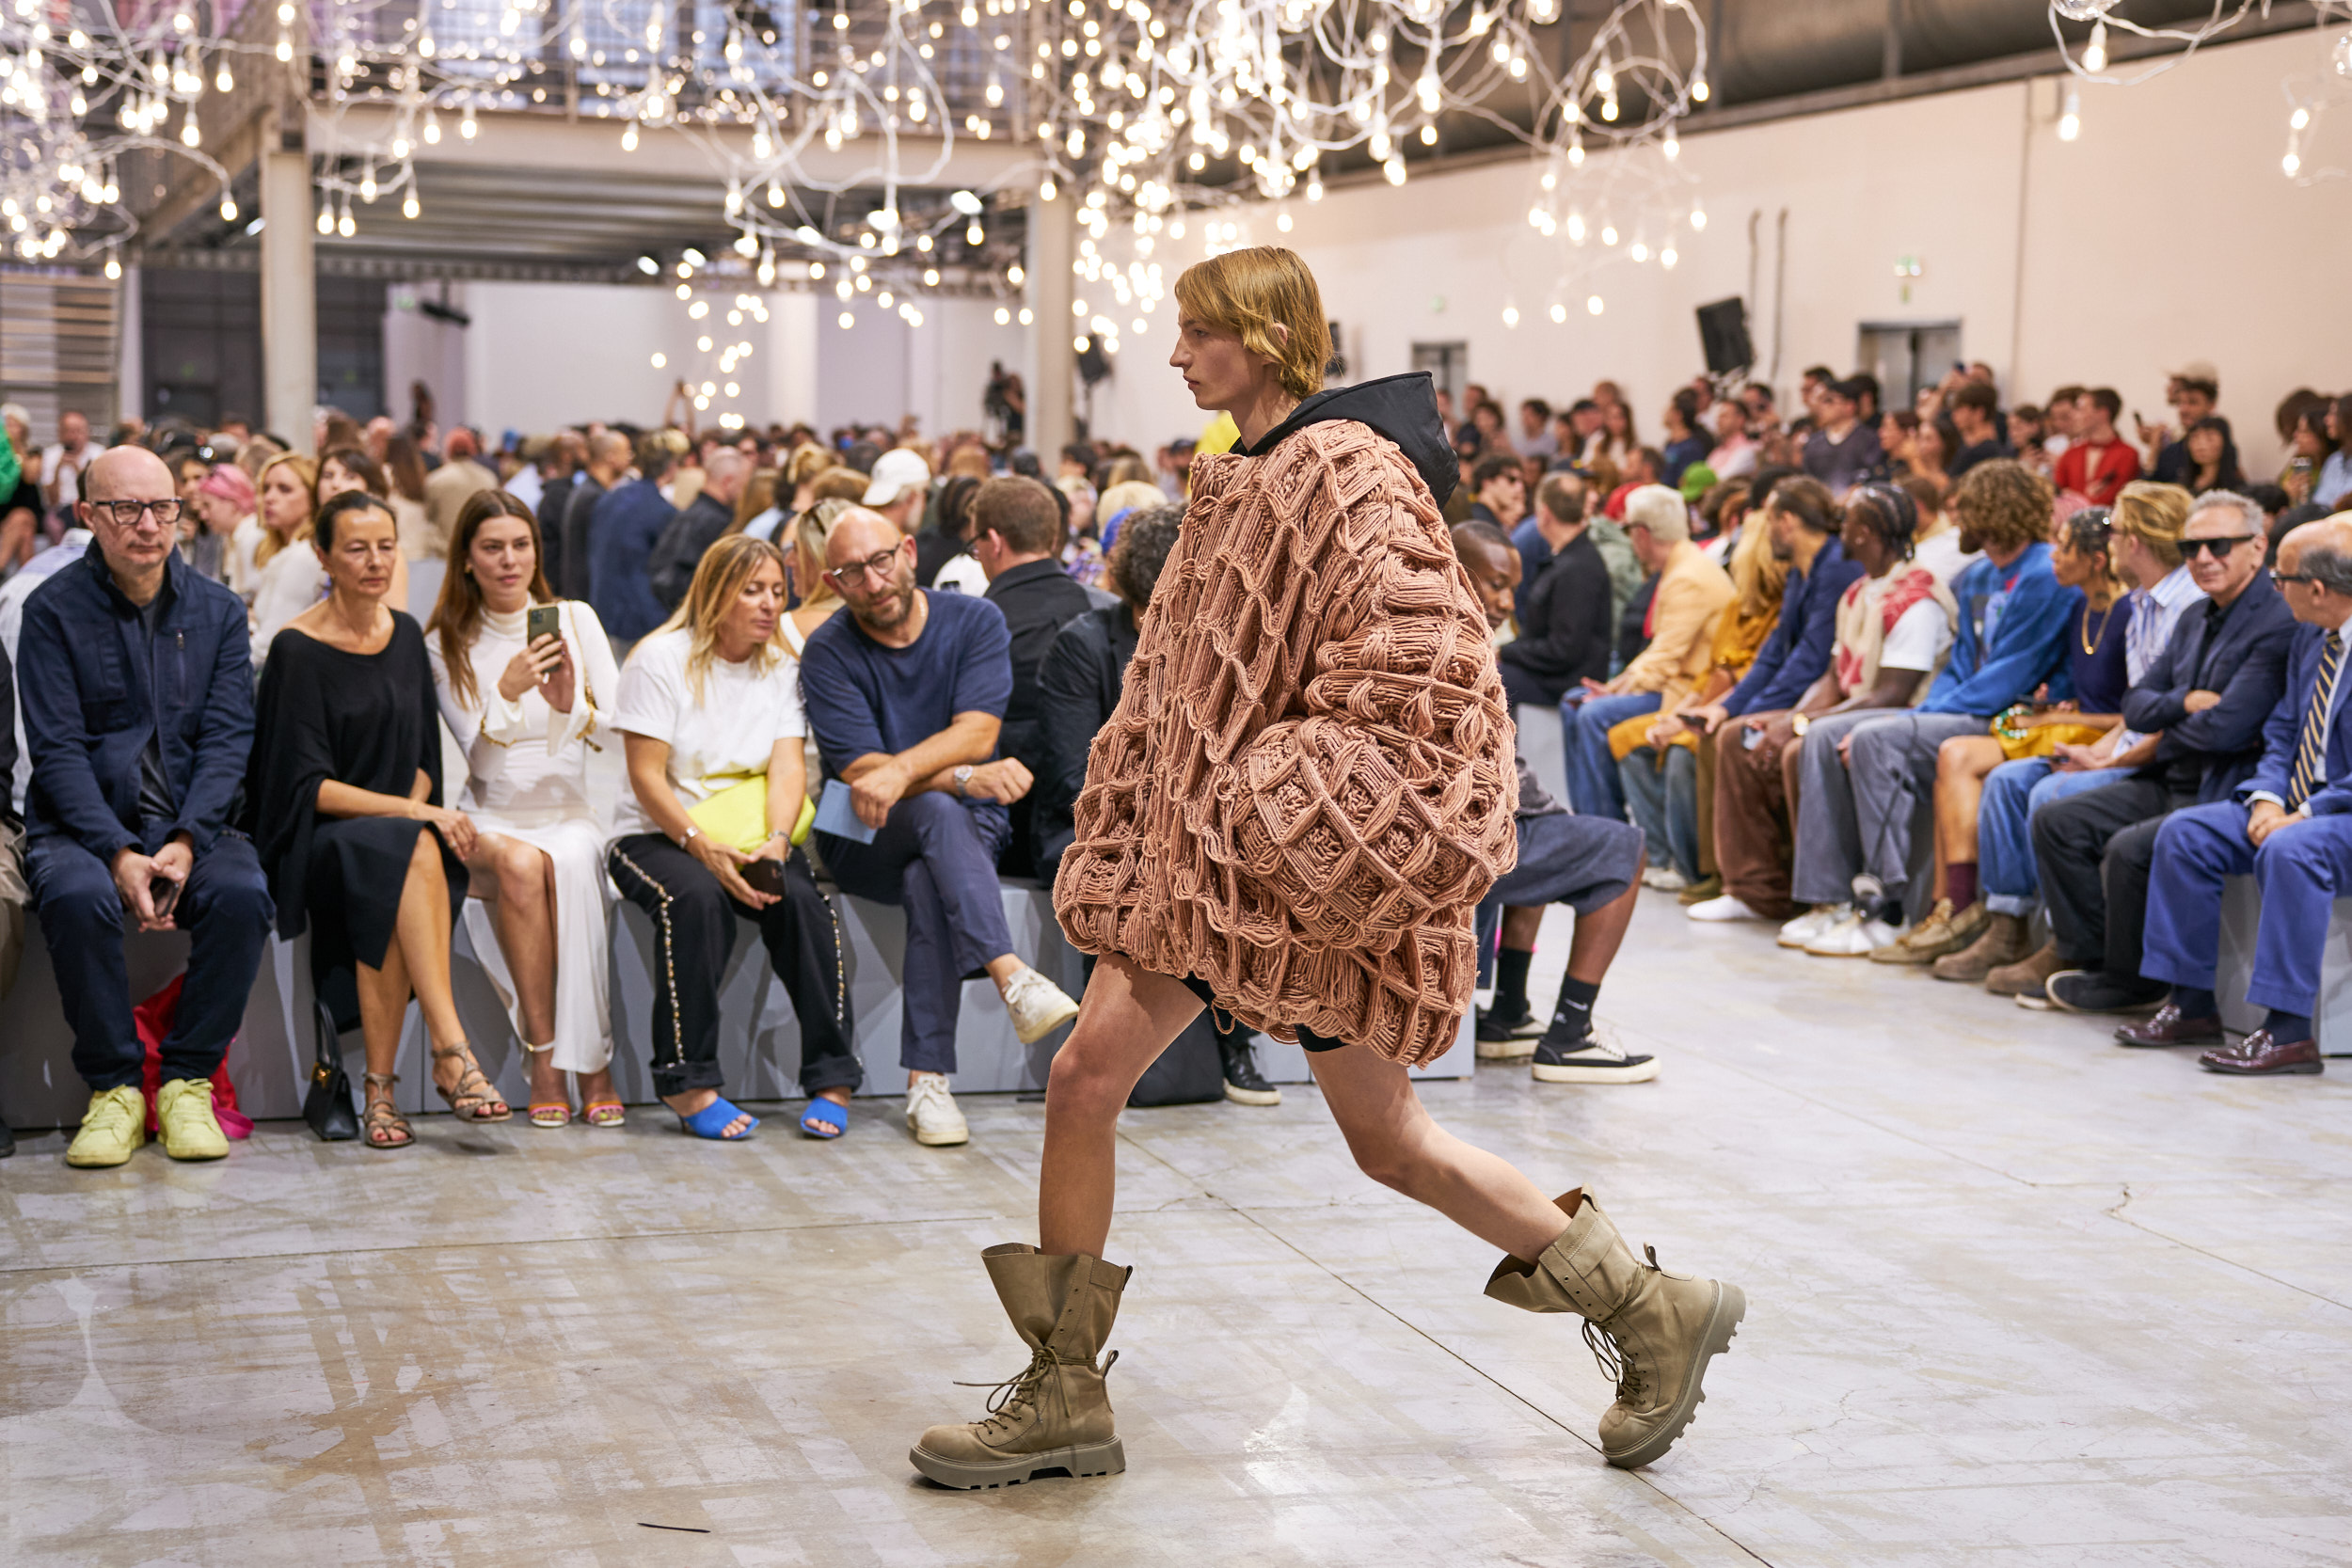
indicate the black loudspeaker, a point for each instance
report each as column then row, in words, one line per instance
column 1093, row 364
column 1723, row 336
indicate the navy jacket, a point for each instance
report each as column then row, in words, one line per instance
column 2245, row 658
column 2283, row 733
column 622, row 532
column 1793, row 657
column 93, row 698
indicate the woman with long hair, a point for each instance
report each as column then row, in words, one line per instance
column 288, row 576
column 1618, row 440
column 2213, row 463
column 343, row 803
column 526, row 712
column 710, row 715
column 800, row 472
column 404, row 472
column 1304, row 854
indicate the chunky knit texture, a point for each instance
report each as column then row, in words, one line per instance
column 1308, row 783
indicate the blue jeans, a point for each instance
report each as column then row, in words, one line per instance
column 225, row 908
column 936, row 858
column 2012, row 793
column 1593, row 788
column 1665, row 805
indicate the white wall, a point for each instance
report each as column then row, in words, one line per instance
column 419, row 348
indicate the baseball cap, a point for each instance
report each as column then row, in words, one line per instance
column 896, row 472
column 2197, row 370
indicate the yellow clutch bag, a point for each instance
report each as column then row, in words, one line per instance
column 2020, row 740
column 736, row 817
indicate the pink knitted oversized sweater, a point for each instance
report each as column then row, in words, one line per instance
column 1308, row 782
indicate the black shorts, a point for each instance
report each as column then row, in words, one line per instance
column 1307, row 1036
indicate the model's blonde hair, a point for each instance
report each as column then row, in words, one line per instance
column 718, row 581
column 2156, row 515
column 303, row 469
column 1248, row 292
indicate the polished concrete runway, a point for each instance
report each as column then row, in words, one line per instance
column 2018, row 1296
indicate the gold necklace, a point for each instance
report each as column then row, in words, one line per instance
column 2091, row 644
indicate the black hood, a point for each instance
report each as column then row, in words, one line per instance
column 1403, row 408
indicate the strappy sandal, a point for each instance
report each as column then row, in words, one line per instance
column 471, row 1096
column 550, row 1113
column 382, row 1121
column 604, row 1113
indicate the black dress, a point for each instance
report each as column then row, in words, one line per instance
column 369, row 721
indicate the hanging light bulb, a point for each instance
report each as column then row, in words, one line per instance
column 408, row 208
column 2095, row 51
column 2070, row 123
column 326, row 217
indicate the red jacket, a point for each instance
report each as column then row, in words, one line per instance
column 2118, row 465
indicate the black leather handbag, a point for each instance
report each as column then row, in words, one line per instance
column 327, row 1105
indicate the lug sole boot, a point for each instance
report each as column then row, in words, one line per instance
column 1055, row 1413
column 1652, row 1331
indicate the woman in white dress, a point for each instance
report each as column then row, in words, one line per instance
column 527, row 716
column 288, row 579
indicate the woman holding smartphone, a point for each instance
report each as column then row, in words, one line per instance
column 527, row 684
column 709, row 705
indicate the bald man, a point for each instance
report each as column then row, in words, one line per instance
column 138, row 711
column 710, row 513
column 568, row 571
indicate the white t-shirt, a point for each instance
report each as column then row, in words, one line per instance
column 715, row 743
column 1918, row 639
column 1941, row 554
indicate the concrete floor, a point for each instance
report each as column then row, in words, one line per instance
column 2017, row 1296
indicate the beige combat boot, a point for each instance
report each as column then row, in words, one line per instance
column 1055, row 1413
column 1652, row 1331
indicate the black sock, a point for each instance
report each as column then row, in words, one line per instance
column 1572, row 1018
column 1511, row 982
column 2194, row 1002
column 2286, row 1028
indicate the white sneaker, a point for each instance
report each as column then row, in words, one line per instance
column 1811, row 924
column 1854, row 936
column 1037, row 1006
column 1722, row 907
column 1665, row 878
column 931, row 1114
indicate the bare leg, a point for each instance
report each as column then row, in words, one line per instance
column 420, row 936
column 1594, row 947
column 1398, row 1145
column 1520, row 924
column 518, row 882
column 1126, row 1019
column 383, row 1007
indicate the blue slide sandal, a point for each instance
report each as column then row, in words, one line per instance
column 712, row 1122
column 824, row 1119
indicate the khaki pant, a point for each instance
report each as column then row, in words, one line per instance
column 13, row 897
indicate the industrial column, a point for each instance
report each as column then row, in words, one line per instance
column 1049, row 289
column 290, row 322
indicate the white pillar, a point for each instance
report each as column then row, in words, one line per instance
column 131, row 349
column 1053, row 362
column 793, row 318
column 290, row 327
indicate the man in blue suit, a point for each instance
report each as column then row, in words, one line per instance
column 623, row 529
column 2290, row 825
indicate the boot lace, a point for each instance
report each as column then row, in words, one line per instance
column 1006, row 1399
column 1615, row 1365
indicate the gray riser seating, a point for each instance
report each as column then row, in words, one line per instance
column 1543, row 742
column 2241, row 912
column 270, row 1063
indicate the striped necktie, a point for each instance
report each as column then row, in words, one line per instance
column 2310, row 752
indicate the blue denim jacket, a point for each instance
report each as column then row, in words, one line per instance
column 91, row 699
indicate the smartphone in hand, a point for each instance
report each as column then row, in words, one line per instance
column 543, row 620
column 164, row 894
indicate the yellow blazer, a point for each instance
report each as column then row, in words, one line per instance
column 1692, row 593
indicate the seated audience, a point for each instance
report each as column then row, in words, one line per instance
column 898, row 484
column 2285, row 825
column 1498, row 491
column 1844, row 452
column 692, row 531
column 343, row 801
column 2141, row 539
column 287, row 576
column 2194, row 392
column 348, row 468
column 1894, row 626
column 946, row 545
column 1586, row 862
column 906, row 694
column 2212, row 460
column 570, row 568
column 2210, row 694
column 128, row 814
column 1862, row 776
column 1016, row 530
column 1686, row 442
column 627, row 524
column 1565, row 617
column 1974, row 410
column 447, row 488
column 525, row 711
column 2334, row 480
column 1690, row 595
column 2097, row 463
column 707, row 708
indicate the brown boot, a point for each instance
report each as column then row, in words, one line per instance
column 1652, row 1331
column 1055, row 1414
column 2002, row 942
column 2026, row 976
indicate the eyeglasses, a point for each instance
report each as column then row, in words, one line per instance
column 126, row 514
column 2215, row 547
column 2292, row 576
column 875, row 565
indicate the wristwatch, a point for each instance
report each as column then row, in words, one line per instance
column 1799, row 724
column 964, row 780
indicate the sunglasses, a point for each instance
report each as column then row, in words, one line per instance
column 2216, row 547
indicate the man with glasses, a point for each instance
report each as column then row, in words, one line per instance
column 2287, row 826
column 138, row 712
column 2209, row 693
column 905, row 695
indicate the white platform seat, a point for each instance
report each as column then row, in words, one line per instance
column 1544, row 742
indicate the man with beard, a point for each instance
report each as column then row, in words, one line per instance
column 905, row 694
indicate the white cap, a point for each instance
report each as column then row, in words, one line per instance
column 899, row 470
